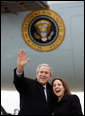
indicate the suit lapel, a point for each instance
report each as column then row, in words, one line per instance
column 40, row 90
column 49, row 93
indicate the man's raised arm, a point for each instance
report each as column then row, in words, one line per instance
column 21, row 61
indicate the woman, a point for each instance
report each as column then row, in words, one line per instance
column 67, row 103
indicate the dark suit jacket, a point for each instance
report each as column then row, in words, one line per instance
column 69, row 105
column 32, row 98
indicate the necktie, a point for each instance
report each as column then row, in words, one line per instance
column 45, row 93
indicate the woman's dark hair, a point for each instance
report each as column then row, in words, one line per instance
column 66, row 87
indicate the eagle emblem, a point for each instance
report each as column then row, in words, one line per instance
column 43, row 30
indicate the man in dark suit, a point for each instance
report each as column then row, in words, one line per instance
column 36, row 96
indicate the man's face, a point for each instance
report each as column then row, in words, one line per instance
column 43, row 75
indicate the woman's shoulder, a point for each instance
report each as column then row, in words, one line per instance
column 74, row 97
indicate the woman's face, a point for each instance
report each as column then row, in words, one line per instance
column 58, row 88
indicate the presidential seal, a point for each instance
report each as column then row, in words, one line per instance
column 43, row 30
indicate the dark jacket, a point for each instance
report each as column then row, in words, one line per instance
column 69, row 105
column 32, row 98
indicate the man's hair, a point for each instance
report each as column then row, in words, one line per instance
column 44, row 65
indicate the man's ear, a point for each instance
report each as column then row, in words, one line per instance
column 50, row 76
column 36, row 73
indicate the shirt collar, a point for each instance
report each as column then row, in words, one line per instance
column 44, row 86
